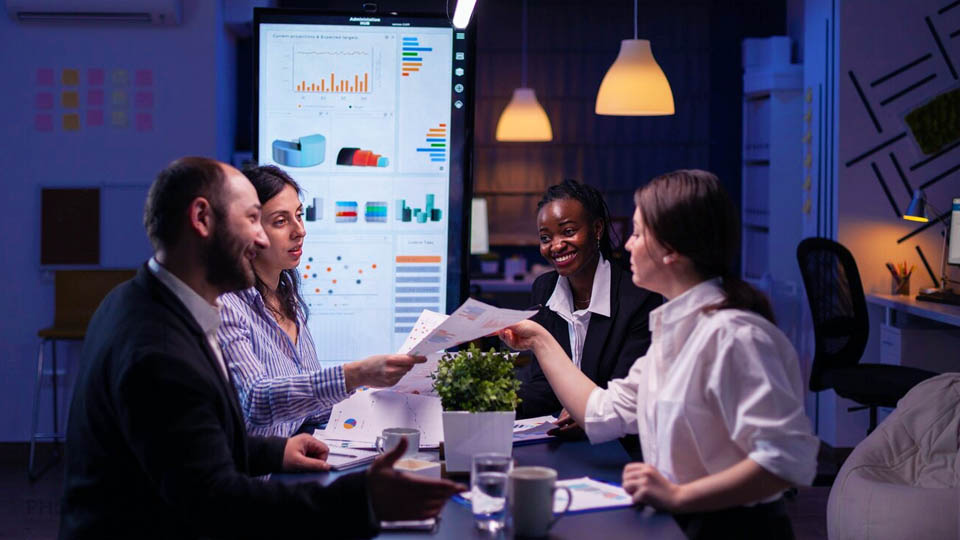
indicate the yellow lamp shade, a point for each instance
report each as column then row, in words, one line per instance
column 635, row 85
column 524, row 120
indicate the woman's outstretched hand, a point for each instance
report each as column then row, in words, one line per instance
column 522, row 336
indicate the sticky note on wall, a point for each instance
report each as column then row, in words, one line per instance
column 71, row 122
column 95, row 97
column 69, row 99
column 119, row 98
column 118, row 119
column 94, row 118
column 70, row 77
column 45, row 77
column 119, row 77
column 144, row 77
column 95, row 76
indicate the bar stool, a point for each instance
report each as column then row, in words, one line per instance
column 77, row 294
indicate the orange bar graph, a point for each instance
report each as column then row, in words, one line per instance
column 357, row 86
column 418, row 259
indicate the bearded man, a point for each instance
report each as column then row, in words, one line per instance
column 156, row 445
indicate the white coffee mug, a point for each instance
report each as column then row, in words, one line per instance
column 390, row 437
column 531, row 500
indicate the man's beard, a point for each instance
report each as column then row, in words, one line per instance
column 227, row 267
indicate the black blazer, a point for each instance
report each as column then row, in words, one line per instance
column 611, row 345
column 156, row 445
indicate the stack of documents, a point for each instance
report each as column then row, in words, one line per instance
column 533, row 430
column 434, row 332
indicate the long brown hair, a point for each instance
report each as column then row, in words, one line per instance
column 689, row 212
column 269, row 180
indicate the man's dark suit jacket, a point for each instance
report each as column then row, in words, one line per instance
column 611, row 345
column 156, row 446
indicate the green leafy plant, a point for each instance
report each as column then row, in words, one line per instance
column 476, row 381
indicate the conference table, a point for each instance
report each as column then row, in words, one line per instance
column 571, row 459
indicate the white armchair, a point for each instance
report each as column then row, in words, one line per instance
column 902, row 480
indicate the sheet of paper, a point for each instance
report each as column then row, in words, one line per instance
column 470, row 321
column 533, row 429
column 417, row 380
column 346, row 458
column 425, row 324
column 590, row 494
column 363, row 416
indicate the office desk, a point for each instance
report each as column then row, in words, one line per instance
column 571, row 460
column 918, row 334
column 933, row 311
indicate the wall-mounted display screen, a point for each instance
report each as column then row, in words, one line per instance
column 371, row 116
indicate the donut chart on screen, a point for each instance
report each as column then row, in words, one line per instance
column 356, row 157
column 307, row 151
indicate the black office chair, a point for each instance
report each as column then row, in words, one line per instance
column 840, row 328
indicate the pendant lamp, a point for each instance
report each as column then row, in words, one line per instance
column 635, row 85
column 524, row 120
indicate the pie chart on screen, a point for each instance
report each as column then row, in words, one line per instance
column 350, row 423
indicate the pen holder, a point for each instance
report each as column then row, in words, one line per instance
column 900, row 286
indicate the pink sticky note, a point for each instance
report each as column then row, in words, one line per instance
column 143, row 100
column 43, row 100
column 144, row 77
column 94, row 117
column 95, row 76
column 144, row 122
column 45, row 78
column 43, row 122
column 95, row 97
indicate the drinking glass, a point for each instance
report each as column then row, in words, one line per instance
column 488, row 490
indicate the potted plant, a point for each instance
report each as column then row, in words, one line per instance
column 478, row 392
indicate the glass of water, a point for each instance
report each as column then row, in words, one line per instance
column 488, row 490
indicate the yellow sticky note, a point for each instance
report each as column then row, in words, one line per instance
column 71, row 122
column 118, row 119
column 807, row 183
column 69, row 100
column 807, row 117
column 807, row 137
column 119, row 77
column 807, row 161
column 807, row 204
column 119, row 98
column 70, row 77
column 809, row 97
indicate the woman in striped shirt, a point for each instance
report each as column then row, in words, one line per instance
column 263, row 333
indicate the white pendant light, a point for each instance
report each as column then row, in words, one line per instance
column 635, row 85
column 524, row 120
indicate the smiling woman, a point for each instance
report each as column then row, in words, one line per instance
column 266, row 344
column 589, row 305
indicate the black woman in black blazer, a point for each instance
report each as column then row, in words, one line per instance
column 611, row 346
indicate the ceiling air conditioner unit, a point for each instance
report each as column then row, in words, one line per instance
column 165, row 12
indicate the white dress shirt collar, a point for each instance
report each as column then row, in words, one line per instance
column 561, row 301
column 206, row 315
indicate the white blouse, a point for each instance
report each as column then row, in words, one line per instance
column 578, row 320
column 713, row 388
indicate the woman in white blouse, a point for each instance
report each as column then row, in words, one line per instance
column 718, row 399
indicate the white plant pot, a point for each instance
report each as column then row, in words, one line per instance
column 467, row 433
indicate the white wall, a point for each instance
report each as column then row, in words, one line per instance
column 872, row 39
column 192, row 66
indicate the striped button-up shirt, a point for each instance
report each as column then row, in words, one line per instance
column 281, row 384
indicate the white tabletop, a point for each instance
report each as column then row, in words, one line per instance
column 944, row 313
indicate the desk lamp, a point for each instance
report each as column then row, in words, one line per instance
column 917, row 211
